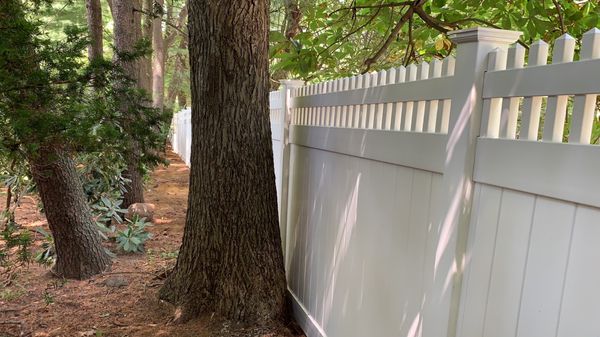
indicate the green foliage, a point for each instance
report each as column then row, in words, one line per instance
column 11, row 294
column 48, row 298
column 19, row 239
column 47, row 255
column 338, row 38
column 50, row 94
column 134, row 236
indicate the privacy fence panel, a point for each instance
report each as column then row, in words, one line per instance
column 533, row 239
column 452, row 198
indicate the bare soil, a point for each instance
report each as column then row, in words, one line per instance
column 123, row 301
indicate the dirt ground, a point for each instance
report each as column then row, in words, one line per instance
column 34, row 303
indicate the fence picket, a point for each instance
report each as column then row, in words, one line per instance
column 490, row 119
column 397, row 115
column 420, row 118
column 389, row 107
column 448, row 70
column 435, row 71
column 554, row 121
column 373, row 80
column 530, row 119
column 584, row 105
column 510, row 106
column 408, row 115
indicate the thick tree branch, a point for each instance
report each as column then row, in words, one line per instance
column 409, row 13
column 180, row 23
column 560, row 17
column 431, row 21
column 152, row 15
column 359, row 28
column 382, row 5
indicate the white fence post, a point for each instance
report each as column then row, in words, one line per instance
column 474, row 45
column 287, row 87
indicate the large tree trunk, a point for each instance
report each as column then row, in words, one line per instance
column 158, row 62
column 79, row 253
column 94, row 20
column 231, row 260
column 127, row 32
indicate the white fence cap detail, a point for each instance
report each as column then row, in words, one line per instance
column 484, row 34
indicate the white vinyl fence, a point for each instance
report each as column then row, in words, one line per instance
column 445, row 199
column 181, row 135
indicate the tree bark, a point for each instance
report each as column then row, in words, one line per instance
column 127, row 31
column 293, row 17
column 175, row 86
column 158, row 62
column 146, row 19
column 94, row 20
column 231, row 260
column 79, row 252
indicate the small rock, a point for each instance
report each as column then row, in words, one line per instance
column 143, row 210
column 115, row 282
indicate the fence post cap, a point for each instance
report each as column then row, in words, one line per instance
column 478, row 34
column 292, row 83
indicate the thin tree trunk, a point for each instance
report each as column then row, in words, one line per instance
column 79, row 252
column 76, row 238
column 94, row 20
column 127, row 32
column 158, row 62
column 146, row 20
column 293, row 17
column 179, row 68
column 231, row 260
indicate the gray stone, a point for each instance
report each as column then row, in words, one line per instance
column 143, row 210
column 116, row 282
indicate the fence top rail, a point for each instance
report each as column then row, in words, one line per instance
column 565, row 119
column 512, row 78
column 417, row 82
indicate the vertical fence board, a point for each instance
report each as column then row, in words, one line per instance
column 580, row 307
column 512, row 240
column 546, row 266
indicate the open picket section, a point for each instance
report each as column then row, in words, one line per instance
column 452, row 198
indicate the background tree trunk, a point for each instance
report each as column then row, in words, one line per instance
column 79, row 253
column 158, row 62
column 175, row 86
column 94, row 20
column 127, row 31
column 231, row 260
column 146, row 20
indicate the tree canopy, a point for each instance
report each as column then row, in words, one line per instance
column 338, row 38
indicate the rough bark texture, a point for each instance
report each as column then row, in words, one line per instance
column 79, row 253
column 94, row 20
column 158, row 62
column 293, row 16
column 146, row 19
column 127, row 31
column 231, row 260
